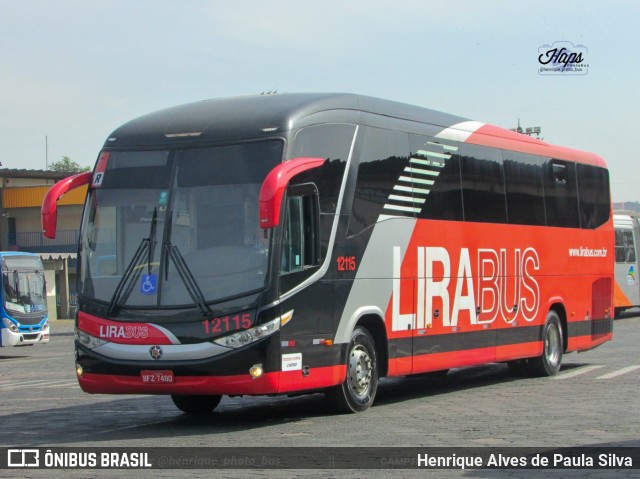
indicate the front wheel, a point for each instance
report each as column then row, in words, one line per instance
column 548, row 364
column 358, row 390
column 197, row 405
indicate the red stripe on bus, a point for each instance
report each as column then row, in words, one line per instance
column 584, row 343
column 268, row 383
column 495, row 137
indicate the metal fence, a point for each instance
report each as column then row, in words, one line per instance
column 66, row 241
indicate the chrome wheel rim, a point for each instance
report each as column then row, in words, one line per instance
column 552, row 345
column 360, row 370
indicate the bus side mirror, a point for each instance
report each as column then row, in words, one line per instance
column 49, row 209
column 275, row 184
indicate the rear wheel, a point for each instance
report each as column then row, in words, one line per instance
column 548, row 364
column 197, row 405
column 358, row 391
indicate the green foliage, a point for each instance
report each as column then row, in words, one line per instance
column 68, row 165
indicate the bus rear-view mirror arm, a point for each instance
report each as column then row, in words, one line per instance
column 49, row 209
column 275, row 184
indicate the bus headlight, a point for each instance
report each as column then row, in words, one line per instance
column 247, row 336
column 87, row 340
column 10, row 325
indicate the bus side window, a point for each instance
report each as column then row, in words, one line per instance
column 300, row 242
column 561, row 194
column 525, row 195
column 594, row 196
column 620, row 247
column 625, row 247
column 438, row 161
column 483, row 188
column 630, row 247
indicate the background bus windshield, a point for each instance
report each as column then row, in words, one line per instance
column 158, row 210
column 23, row 286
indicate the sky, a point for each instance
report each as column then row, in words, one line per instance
column 72, row 71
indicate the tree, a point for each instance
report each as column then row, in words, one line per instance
column 67, row 164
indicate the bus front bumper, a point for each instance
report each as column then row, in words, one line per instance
column 23, row 338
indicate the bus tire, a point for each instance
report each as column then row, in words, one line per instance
column 518, row 368
column 549, row 362
column 197, row 405
column 358, row 391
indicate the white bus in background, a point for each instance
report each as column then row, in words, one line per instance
column 23, row 300
column 627, row 287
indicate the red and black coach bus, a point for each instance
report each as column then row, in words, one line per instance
column 317, row 242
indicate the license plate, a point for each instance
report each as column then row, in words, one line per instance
column 157, row 377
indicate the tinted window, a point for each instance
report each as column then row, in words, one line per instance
column 228, row 165
column 525, row 199
column 435, row 160
column 482, row 184
column 329, row 141
column 381, row 177
column 561, row 194
column 125, row 171
column 593, row 191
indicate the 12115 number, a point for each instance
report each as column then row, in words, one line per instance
column 227, row 323
column 346, row 263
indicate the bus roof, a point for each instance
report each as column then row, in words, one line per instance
column 18, row 253
column 262, row 116
column 12, row 256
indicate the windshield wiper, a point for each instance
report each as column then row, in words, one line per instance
column 16, row 282
column 152, row 238
column 132, row 272
column 128, row 278
column 171, row 252
column 187, row 277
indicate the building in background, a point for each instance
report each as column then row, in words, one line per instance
column 21, row 194
column 628, row 206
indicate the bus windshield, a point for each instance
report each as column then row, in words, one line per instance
column 23, row 286
column 177, row 228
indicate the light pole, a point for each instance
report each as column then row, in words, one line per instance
column 529, row 131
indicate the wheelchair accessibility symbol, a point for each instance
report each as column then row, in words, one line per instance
column 148, row 283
